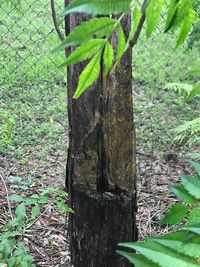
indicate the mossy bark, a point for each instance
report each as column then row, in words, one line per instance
column 101, row 171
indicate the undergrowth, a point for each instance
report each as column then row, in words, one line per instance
column 156, row 64
column 181, row 247
column 13, row 249
column 33, row 110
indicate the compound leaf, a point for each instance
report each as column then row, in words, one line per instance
column 137, row 259
column 161, row 255
column 96, row 26
column 182, row 242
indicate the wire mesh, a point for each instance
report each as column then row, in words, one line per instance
column 156, row 61
column 27, row 36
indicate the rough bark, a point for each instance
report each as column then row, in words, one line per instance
column 101, row 164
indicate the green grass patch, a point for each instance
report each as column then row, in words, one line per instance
column 33, row 111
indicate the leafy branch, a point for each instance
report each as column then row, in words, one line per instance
column 180, row 14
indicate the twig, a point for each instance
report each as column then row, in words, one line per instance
column 146, row 155
column 140, row 25
column 34, row 241
column 55, row 21
column 7, row 195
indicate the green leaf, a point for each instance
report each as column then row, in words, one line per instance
column 35, row 211
column 26, row 181
column 191, row 184
column 161, row 255
column 6, row 247
column 62, row 192
column 48, row 190
column 172, row 14
column 136, row 15
column 100, row 7
column 9, row 234
column 11, row 262
column 10, row 224
column 35, row 196
column 16, row 179
column 185, row 28
column 20, row 211
column 183, row 9
column 175, row 214
column 43, row 199
column 100, row 27
column 137, row 259
column 85, row 51
column 17, row 198
column 195, row 90
column 108, row 56
column 30, row 201
column 180, row 13
column 22, row 247
column 191, row 228
column 183, row 194
column 89, row 75
column 153, row 12
column 18, row 258
column 182, row 242
column 194, row 216
column 194, row 164
column 69, row 210
column 121, row 43
column 24, row 264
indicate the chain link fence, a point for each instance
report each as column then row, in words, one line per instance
column 157, row 61
column 27, row 36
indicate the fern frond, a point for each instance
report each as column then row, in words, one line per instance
column 189, row 130
column 184, row 89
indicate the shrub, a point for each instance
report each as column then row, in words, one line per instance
column 180, row 248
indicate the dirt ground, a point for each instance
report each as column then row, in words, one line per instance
column 49, row 241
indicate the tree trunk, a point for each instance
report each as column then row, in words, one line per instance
column 101, row 170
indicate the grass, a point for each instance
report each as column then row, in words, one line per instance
column 158, row 111
column 33, row 106
column 33, row 111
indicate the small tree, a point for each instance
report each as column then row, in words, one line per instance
column 101, row 155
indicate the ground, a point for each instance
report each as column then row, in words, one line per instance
column 44, row 161
column 33, row 127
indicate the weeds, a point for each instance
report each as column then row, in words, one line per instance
column 182, row 246
column 13, row 249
